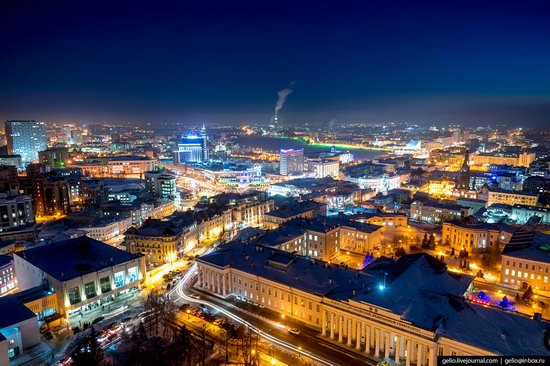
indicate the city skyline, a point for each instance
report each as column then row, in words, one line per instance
column 275, row 183
column 470, row 63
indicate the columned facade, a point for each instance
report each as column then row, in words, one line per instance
column 378, row 340
column 356, row 325
column 216, row 282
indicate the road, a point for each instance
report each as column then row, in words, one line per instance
column 307, row 344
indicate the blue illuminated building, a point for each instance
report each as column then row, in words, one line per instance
column 193, row 148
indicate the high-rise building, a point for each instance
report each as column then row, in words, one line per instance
column 54, row 157
column 193, row 148
column 26, row 138
column 292, row 161
column 321, row 168
column 160, row 184
column 51, row 196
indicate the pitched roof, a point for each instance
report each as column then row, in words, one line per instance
column 418, row 288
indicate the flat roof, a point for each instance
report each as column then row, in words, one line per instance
column 5, row 243
column 436, row 204
column 5, row 259
column 13, row 312
column 33, row 293
column 530, row 246
column 294, row 209
column 72, row 258
column 507, row 191
column 170, row 226
column 318, row 184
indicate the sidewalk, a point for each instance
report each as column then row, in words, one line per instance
column 128, row 299
column 36, row 355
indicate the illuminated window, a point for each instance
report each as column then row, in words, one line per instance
column 120, row 279
column 133, row 274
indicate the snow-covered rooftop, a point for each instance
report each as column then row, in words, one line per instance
column 417, row 287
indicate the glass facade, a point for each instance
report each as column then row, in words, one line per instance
column 26, row 138
column 120, row 279
column 133, row 274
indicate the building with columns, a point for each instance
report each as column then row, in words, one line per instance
column 474, row 235
column 410, row 310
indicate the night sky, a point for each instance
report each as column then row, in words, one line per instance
column 476, row 62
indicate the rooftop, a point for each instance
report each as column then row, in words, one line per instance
column 418, row 288
column 5, row 260
column 33, row 293
column 474, row 223
column 319, row 184
column 533, row 246
column 5, row 243
column 512, row 192
column 442, row 205
column 72, row 258
column 102, row 159
column 282, row 235
column 348, row 222
column 532, row 208
column 294, row 209
column 339, row 282
column 13, row 312
column 171, row 226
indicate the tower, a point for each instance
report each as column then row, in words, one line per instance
column 204, row 138
column 193, row 148
column 464, row 177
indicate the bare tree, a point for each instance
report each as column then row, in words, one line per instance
column 162, row 313
column 248, row 346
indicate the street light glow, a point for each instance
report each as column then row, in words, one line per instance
column 179, row 290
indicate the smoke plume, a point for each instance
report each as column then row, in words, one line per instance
column 282, row 94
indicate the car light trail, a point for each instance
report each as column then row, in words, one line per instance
column 179, row 289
